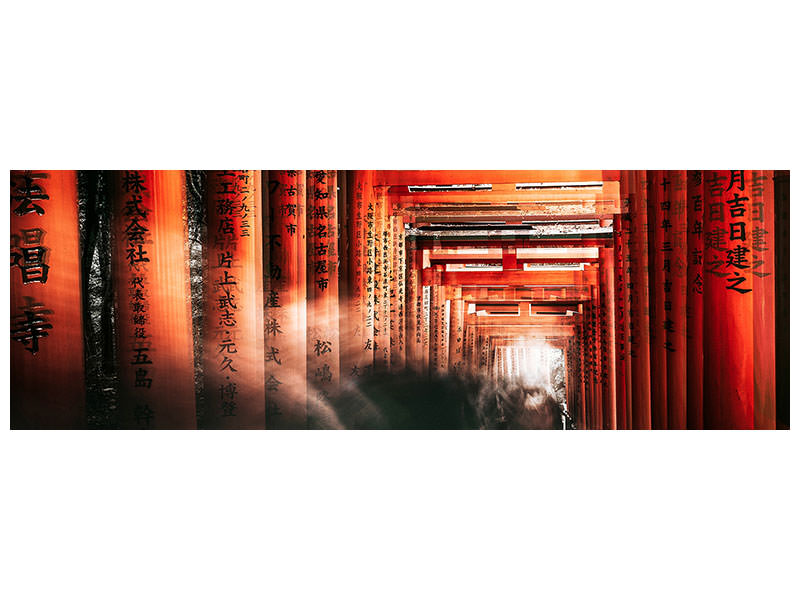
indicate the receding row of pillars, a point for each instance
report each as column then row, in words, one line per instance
column 309, row 282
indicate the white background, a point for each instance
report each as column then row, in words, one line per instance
column 434, row 85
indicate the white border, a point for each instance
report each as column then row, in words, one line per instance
column 379, row 514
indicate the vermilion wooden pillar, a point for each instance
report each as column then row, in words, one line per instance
column 628, row 388
column 694, row 300
column 620, row 320
column 436, row 307
column 415, row 329
column 359, row 339
column 575, row 383
column 397, row 324
column 426, row 330
column 477, row 349
column 285, row 344
column 675, row 255
column 639, row 342
column 440, row 326
column 597, row 348
column 762, row 243
column 623, row 309
column 590, row 370
column 382, row 300
column 370, row 292
column 323, row 293
column 477, row 345
column 657, row 183
column 150, row 266
column 569, row 375
column 608, row 335
column 728, row 302
column 588, row 367
column 471, row 343
column 233, row 343
column 580, row 383
column 456, row 358
column 580, row 412
column 47, row 371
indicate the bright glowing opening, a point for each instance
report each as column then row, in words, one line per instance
column 533, row 363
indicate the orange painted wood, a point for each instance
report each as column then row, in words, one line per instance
column 397, row 298
column 426, row 329
column 233, row 325
column 495, row 255
column 572, row 363
column 440, row 330
column 592, row 409
column 474, row 345
column 47, row 388
column 434, row 280
column 552, row 293
column 483, row 344
column 457, row 310
column 694, row 300
column 470, row 342
column 435, row 323
column 582, row 398
column 285, row 347
column 360, row 338
column 523, row 319
column 627, row 270
column 549, row 278
column 590, row 369
column 512, row 214
column 372, row 252
column 639, row 342
column 657, row 182
column 728, row 302
column 322, row 292
column 676, row 254
column 608, row 336
column 527, row 332
column 762, row 242
column 598, row 411
column 586, row 362
column 620, row 315
column 500, row 177
column 150, row 270
column 414, row 325
column 531, row 243
column 382, row 300
column 569, row 375
column 592, row 199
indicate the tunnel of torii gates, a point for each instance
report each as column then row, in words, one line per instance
column 660, row 288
